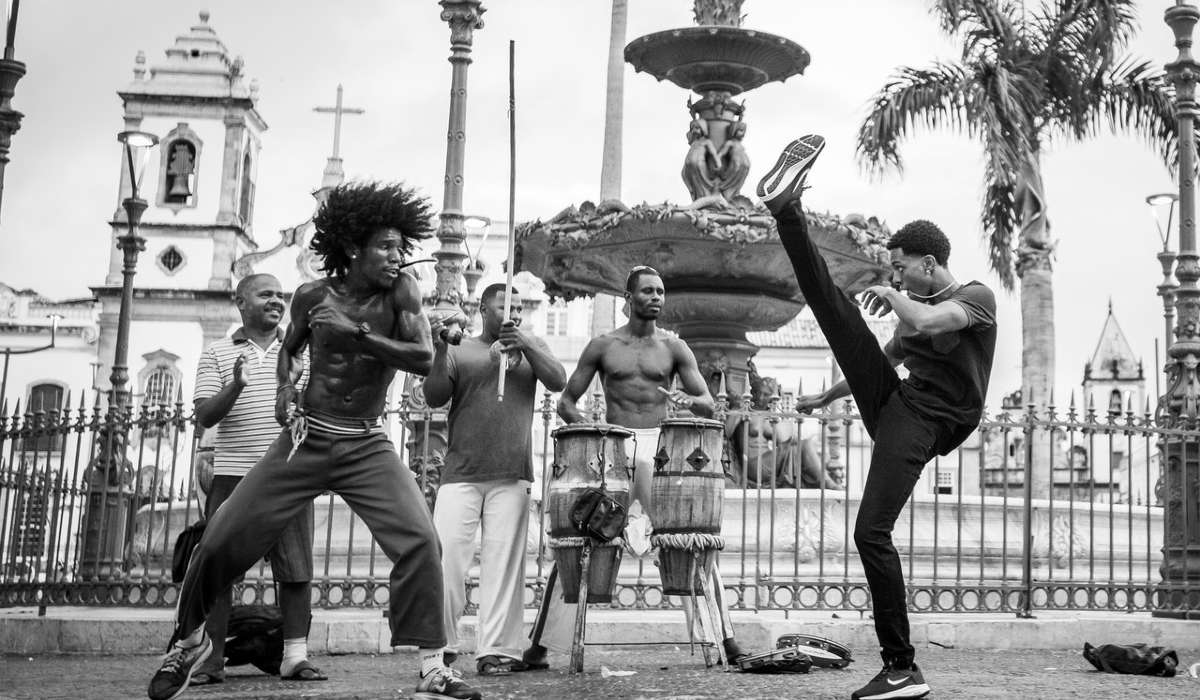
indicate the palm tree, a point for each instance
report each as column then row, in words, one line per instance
column 1025, row 79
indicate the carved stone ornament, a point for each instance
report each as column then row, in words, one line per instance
column 464, row 17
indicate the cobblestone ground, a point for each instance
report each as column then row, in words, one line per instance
column 660, row 673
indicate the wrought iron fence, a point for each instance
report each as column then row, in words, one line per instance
column 1036, row 511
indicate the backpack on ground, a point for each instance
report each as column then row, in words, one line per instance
column 1136, row 659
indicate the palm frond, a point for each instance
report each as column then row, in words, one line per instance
column 999, row 216
column 1135, row 98
column 927, row 97
column 987, row 25
column 1092, row 31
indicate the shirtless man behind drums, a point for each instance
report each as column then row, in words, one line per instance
column 636, row 363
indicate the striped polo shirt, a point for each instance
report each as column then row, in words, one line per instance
column 242, row 436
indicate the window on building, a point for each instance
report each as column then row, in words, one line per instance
column 556, row 318
column 170, row 260
column 181, row 171
column 945, row 482
column 1116, row 403
column 44, row 398
column 179, row 168
column 246, row 203
column 160, row 387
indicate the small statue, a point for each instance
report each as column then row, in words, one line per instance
column 736, row 163
column 701, row 162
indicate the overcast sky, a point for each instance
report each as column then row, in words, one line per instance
column 61, row 186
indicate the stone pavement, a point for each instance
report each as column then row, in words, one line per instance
column 660, row 672
column 97, row 630
column 109, row 653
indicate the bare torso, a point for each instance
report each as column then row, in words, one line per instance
column 633, row 369
column 345, row 380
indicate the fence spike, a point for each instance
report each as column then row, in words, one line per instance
column 1072, row 400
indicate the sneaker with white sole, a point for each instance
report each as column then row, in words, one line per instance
column 176, row 671
column 785, row 181
column 443, row 683
column 894, row 683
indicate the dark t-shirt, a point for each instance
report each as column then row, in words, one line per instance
column 948, row 372
column 489, row 439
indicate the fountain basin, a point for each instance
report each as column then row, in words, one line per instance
column 724, row 268
column 729, row 59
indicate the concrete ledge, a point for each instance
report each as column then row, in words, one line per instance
column 80, row 630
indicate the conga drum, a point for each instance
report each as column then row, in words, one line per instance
column 586, row 456
column 687, row 495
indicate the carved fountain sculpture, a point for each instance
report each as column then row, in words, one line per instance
column 719, row 255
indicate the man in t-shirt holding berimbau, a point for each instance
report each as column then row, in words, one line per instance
column 488, row 472
column 945, row 336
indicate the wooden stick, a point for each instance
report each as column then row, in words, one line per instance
column 512, row 205
column 585, row 561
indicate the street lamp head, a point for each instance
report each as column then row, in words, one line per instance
column 1157, row 202
column 137, row 153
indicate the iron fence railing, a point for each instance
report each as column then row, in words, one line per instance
column 1038, row 510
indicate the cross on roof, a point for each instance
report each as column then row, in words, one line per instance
column 337, row 111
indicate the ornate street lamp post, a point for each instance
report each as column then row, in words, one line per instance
column 109, row 473
column 464, row 17
column 1179, row 592
column 11, row 71
column 136, row 146
column 1166, row 258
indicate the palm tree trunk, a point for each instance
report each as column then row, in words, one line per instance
column 1034, row 268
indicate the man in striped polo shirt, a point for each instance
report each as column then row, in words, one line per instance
column 235, row 391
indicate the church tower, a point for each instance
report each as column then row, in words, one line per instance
column 199, row 184
column 1114, row 378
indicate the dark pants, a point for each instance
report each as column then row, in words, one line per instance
column 904, row 440
column 291, row 567
column 367, row 473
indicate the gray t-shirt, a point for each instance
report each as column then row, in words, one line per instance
column 489, row 439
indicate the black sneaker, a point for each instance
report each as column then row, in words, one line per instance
column 177, row 668
column 785, row 181
column 445, row 683
column 894, row 683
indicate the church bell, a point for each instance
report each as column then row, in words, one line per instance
column 179, row 187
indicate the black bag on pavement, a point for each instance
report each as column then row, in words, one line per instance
column 255, row 636
column 1136, row 659
column 184, row 544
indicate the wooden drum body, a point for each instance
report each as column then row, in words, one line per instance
column 581, row 451
column 687, row 497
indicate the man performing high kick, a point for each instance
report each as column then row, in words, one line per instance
column 945, row 336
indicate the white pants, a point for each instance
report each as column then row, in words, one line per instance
column 501, row 509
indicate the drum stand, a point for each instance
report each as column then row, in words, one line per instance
column 707, row 617
column 585, row 558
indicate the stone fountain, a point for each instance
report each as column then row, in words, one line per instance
column 720, row 258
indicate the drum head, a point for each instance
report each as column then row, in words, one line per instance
column 597, row 429
column 784, row 660
column 825, row 653
column 708, row 423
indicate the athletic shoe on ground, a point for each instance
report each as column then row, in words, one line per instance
column 894, row 683
column 177, row 668
column 445, row 683
column 785, row 181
